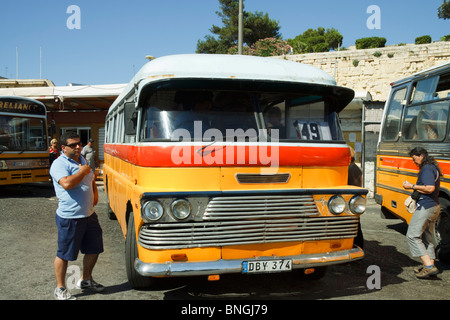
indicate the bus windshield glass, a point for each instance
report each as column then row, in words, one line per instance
column 22, row 134
column 218, row 115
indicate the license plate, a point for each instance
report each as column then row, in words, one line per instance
column 264, row 266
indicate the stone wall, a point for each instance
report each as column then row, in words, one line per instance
column 361, row 70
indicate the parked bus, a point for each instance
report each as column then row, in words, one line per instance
column 24, row 153
column 221, row 164
column 416, row 114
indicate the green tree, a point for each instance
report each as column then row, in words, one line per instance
column 444, row 10
column 370, row 42
column 265, row 48
column 333, row 38
column 423, row 39
column 316, row 40
column 259, row 26
column 256, row 26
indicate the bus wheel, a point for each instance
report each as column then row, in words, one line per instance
column 442, row 232
column 131, row 253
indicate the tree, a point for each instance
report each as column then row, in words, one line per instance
column 256, row 26
column 316, row 40
column 444, row 10
column 259, row 26
column 333, row 38
column 265, row 48
column 370, row 42
column 423, row 39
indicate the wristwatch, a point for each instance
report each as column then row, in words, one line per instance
column 413, row 186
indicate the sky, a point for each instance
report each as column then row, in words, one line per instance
column 105, row 42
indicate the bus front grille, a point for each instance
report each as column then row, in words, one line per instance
column 250, row 220
column 260, row 207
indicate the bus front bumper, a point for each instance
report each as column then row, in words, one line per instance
column 174, row 269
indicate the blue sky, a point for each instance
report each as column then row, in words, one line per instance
column 115, row 36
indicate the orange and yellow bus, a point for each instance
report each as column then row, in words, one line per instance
column 416, row 114
column 24, row 153
column 221, row 164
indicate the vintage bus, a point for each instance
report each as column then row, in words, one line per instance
column 221, row 164
column 24, row 153
column 416, row 114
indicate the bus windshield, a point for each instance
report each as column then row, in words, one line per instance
column 216, row 115
column 22, row 134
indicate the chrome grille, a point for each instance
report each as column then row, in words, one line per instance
column 247, row 207
column 262, row 178
column 248, row 220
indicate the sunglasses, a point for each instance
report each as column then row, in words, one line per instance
column 74, row 145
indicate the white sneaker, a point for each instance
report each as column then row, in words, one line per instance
column 63, row 294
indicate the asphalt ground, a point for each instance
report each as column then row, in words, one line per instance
column 28, row 245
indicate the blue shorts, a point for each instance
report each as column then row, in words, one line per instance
column 82, row 234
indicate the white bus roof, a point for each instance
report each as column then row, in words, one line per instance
column 212, row 66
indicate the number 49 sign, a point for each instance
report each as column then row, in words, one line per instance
column 312, row 130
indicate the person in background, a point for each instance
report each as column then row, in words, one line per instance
column 354, row 172
column 421, row 226
column 88, row 153
column 355, row 179
column 53, row 150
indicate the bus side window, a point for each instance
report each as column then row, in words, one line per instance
column 426, row 122
column 120, row 127
column 424, row 90
column 130, row 118
column 426, row 119
column 442, row 119
column 393, row 115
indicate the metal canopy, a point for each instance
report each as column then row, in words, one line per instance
column 70, row 98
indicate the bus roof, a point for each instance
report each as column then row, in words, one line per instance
column 428, row 72
column 212, row 66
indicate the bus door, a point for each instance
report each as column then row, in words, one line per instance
column 388, row 156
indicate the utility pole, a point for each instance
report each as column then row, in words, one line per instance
column 241, row 27
column 17, row 62
column 40, row 62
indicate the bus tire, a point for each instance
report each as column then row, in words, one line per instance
column 135, row 280
column 442, row 232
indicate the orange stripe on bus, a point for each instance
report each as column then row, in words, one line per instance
column 211, row 155
column 408, row 164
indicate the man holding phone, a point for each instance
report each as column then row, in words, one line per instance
column 78, row 226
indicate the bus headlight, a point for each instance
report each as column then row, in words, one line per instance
column 181, row 209
column 357, row 204
column 152, row 211
column 336, row 204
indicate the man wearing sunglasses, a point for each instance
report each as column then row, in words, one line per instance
column 78, row 226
